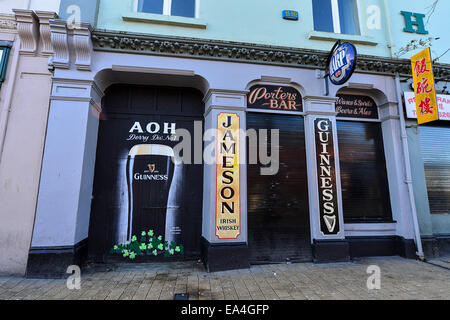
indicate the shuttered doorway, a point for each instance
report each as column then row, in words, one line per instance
column 278, row 215
column 436, row 158
column 136, row 185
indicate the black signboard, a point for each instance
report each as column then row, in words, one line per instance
column 326, row 174
column 354, row 106
column 274, row 98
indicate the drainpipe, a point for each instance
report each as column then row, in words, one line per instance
column 408, row 175
column 388, row 23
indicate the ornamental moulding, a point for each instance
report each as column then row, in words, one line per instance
column 244, row 52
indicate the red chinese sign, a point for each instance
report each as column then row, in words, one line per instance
column 424, row 91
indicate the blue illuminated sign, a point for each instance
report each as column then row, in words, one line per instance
column 342, row 62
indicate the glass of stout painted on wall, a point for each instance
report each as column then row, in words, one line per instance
column 154, row 191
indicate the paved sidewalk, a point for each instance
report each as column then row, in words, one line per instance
column 400, row 279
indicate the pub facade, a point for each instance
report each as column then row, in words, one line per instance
column 278, row 163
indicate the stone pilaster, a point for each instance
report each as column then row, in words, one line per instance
column 325, row 198
column 223, row 252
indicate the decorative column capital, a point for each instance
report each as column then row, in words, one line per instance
column 45, row 32
column 27, row 27
column 58, row 29
column 83, row 46
column 319, row 105
column 225, row 99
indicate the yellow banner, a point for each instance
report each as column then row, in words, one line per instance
column 424, row 91
column 228, row 208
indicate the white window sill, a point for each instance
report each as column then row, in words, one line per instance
column 330, row 36
column 164, row 20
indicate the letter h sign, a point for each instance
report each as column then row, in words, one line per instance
column 409, row 23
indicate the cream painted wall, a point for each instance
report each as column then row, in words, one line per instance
column 6, row 6
column 21, row 160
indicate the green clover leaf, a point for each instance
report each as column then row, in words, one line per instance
column 143, row 246
column 133, row 238
column 171, row 251
column 177, row 249
column 132, row 255
column 160, row 246
column 143, row 233
column 125, row 253
column 150, row 233
column 155, row 252
column 160, row 238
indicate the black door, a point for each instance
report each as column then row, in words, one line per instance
column 278, row 215
column 137, row 186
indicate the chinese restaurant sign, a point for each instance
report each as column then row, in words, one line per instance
column 443, row 102
column 274, row 98
column 326, row 174
column 354, row 106
column 228, row 208
column 425, row 94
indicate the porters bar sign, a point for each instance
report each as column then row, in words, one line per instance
column 424, row 91
column 228, row 208
column 274, row 98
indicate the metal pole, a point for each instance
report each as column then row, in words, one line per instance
column 408, row 176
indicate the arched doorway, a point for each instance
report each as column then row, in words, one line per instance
column 136, row 185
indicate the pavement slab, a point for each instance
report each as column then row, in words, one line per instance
column 399, row 279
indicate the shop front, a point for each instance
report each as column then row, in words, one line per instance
column 282, row 168
column 430, row 158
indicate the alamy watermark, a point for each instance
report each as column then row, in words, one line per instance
column 74, row 280
column 374, row 280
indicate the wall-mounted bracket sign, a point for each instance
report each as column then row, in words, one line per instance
column 424, row 90
column 326, row 175
column 341, row 62
column 228, row 206
column 290, row 15
column 274, row 98
column 354, row 106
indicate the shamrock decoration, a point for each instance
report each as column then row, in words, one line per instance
column 147, row 244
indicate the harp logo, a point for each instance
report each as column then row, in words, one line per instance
column 151, row 167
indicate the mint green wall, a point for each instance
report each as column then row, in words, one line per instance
column 438, row 26
column 251, row 21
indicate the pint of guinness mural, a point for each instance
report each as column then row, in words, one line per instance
column 152, row 177
column 139, row 185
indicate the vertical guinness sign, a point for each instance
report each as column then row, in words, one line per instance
column 228, row 208
column 326, row 174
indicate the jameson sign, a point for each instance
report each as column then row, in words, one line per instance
column 228, row 207
column 274, row 98
column 354, row 106
column 326, row 174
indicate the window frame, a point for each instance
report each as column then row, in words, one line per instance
column 337, row 20
column 167, row 8
column 379, row 120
